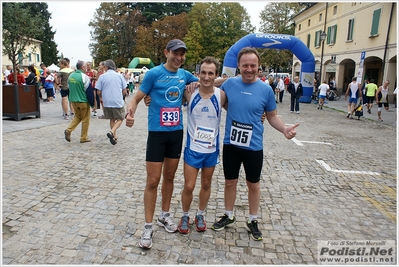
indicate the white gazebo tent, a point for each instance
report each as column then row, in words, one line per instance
column 53, row 67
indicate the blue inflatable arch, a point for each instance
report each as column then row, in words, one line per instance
column 276, row 41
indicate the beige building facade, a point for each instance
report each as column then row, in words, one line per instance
column 360, row 41
column 32, row 55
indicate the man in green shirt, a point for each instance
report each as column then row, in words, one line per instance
column 371, row 89
column 78, row 83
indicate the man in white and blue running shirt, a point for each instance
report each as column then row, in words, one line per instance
column 248, row 98
column 204, row 111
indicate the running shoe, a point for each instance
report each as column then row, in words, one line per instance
column 184, row 226
column 200, row 223
column 146, row 237
column 252, row 227
column 223, row 222
column 167, row 223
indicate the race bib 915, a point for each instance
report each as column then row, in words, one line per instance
column 240, row 134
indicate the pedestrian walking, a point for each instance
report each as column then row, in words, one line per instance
column 323, row 89
column 78, row 83
column 382, row 98
column 371, row 89
column 111, row 88
column 354, row 94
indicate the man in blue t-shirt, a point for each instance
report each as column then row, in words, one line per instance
column 248, row 99
column 165, row 85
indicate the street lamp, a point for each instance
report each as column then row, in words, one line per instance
column 323, row 36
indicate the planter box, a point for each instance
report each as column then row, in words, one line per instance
column 21, row 101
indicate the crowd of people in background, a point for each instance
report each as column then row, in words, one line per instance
column 50, row 83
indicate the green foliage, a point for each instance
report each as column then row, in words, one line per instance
column 114, row 29
column 157, row 11
column 18, row 29
column 277, row 17
column 49, row 50
column 151, row 41
column 214, row 28
column 193, row 42
column 117, row 25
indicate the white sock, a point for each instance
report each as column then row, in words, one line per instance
column 164, row 214
column 252, row 217
column 201, row 212
column 229, row 213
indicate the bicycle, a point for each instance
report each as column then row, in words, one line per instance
column 333, row 95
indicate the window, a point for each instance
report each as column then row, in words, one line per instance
column 317, row 39
column 38, row 58
column 331, row 34
column 350, row 30
column 320, row 16
column 375, row 23
column 308, row 22
column 299, row 27
column 30, row 57
column 20, row 57
column 308, row 41
column 335, row 10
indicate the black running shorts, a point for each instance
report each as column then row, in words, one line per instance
column 162, row 145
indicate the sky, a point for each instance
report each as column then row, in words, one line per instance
column 70, row 20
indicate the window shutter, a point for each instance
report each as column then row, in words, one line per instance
column 350, row 30
column 328, row 35
column 376, row 22
column 334, row 35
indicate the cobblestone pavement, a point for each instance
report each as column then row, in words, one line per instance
column 82, row 204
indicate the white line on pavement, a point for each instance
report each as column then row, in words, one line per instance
column 300, row 143
column 328, row 168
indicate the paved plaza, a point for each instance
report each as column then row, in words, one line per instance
column 82, row 204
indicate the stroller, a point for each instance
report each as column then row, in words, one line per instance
column 359, row 110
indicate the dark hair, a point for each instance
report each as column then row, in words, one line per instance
column 248, row 50
column 372, row 81
column 31, row 68
column 67, row 60
column 211, row 60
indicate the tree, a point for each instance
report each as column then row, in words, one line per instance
column 277, row 17
column 114, row 29
column 152, row 41
column 119, row 26
column 49, row 50
column 193, row 41
column 17, row 31
column 157, row 11
column 215, row 27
